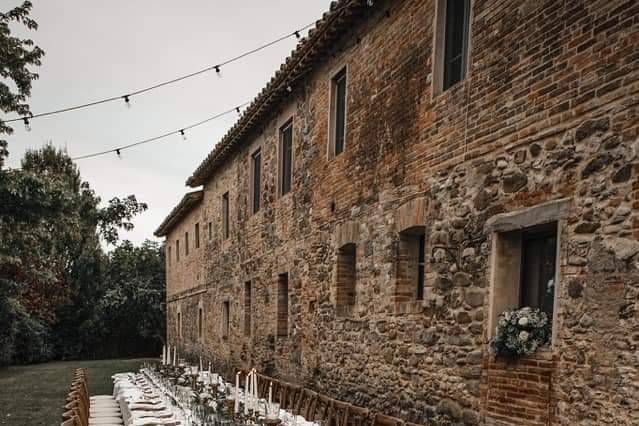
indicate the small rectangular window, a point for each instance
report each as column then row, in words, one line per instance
column 197, row 235
column 225, row 215
column 286, row 157
column 247, row 308
column 179, row 324
column 226, row 318
column 410, row 265
column 256, row 168
column 338, row 111
column 210, row 230
column 455, row 19
column 200, row 322
column 169, row 256
column 282, row 305
column 186, row 243
column 346, row 279
column 420, row 267
column 177, row 250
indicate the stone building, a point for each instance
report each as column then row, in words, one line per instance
column 362, row 225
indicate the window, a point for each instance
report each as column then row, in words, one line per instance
column 282, row 305
column 226, row 318
column 345, row 279
column 451, row 38
column 524, row 267
column 410, row 265
column 177, row 250
column 186, row 243
column 256, row 168
column 225, row 215
column 200, row 322
column 197, row 235
column 179, row 324
column 338, row 112
column 286, row 157
column 210, row 230
column 169, row 256
column 247, row 308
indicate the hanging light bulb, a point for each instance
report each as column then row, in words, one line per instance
column 297, row 34
column 289, row 89
column 126, row 101
column 117, row 151
column 27, row 125
column 218, row 71
column 183, row 134
column 237, row 109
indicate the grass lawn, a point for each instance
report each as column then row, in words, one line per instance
column 34, row 395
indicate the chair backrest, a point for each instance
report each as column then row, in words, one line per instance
column 339, row 413
column 380, row 419
column 305, row 404
column 71, row 421
column 359, row 416
column 323, row 407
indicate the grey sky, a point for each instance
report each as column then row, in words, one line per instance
column 97, row 49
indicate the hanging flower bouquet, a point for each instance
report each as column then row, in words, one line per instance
column 520, row 332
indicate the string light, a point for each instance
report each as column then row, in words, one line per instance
column 119, row 149
column 183, row 134
column 289, row 89
column 27, row 125
column 216, row 68
column 237, row 110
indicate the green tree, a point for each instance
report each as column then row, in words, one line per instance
column 16, row 56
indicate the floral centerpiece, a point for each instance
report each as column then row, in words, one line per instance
column 520, row 332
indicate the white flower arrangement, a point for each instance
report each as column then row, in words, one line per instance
column 520, row 332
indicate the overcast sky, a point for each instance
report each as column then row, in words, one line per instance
column 97, row 49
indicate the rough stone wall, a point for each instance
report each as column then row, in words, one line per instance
column 549, row 110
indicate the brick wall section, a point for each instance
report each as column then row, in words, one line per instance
column 517, row 393
column 549, row 109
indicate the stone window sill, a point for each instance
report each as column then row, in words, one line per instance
column 407, row 308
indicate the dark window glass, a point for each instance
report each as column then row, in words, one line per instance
column 247, row 308
column 169, row 256
column 225, row 214
column 282, row 305
column 186, row 243
column 179, row 324
column 200, row 320
column 177, row 250
column 539, row 251
column 256, row 160
column 287, row 157
column 197, row 235
column 420, row 268
column 339, row 88
column 456, row 43
column 226, row 318
column 210, row 230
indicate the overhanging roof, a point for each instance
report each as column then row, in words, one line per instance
column 310, row 51
column 188, row 202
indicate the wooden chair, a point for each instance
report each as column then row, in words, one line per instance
column 359, row 416
column 380, row 419
column 305, row 404
column 339, row 413
column 323, row 407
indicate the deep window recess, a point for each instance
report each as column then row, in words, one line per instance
column 197, row 235
column 346, row 277
column 256, row 168
column 210, row 230
column 286, row 156
column 200, row 321
column 456, row 41
column 226, row 318
column 282, row 305
column 410, row 265
column 179, row 324
column 169, row 256
column 339, row 111
column 186, row 243
column 177, row 250
column 225, row 215
column 538, row 268
column 247, row 308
